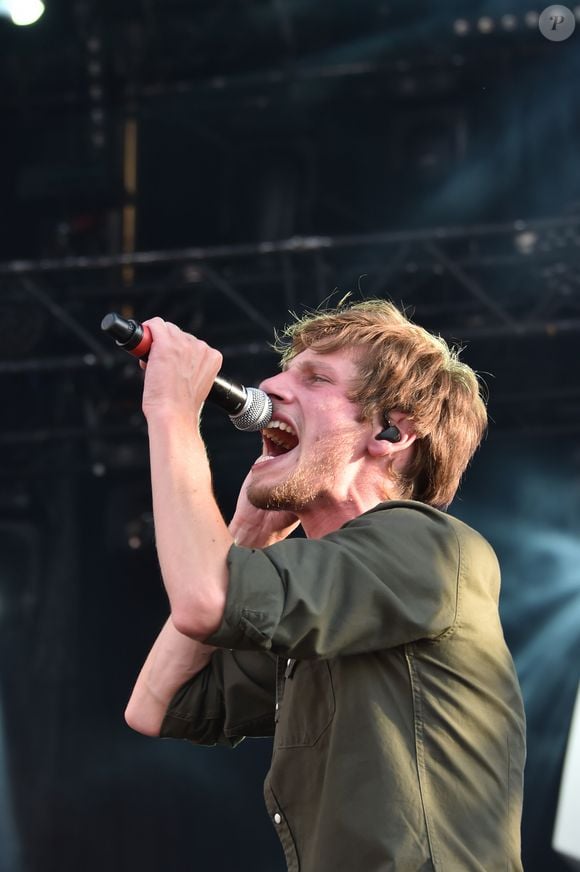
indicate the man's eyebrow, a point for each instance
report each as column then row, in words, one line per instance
column 311, row 364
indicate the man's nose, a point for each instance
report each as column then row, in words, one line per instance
column 277, row 386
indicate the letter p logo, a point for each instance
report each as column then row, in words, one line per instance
column 557, row 23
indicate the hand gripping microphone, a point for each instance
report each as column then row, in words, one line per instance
column 248, row 408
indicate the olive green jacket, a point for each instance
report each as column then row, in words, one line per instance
column 376, row 658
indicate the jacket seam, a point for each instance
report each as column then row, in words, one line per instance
column 446, row 634
column 293, row 862
column 420, row 749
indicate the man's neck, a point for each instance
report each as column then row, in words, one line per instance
column 322, row 519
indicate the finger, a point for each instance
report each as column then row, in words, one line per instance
column 157, row 327
column 173, row 329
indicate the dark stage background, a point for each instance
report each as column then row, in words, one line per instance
column 222, row 164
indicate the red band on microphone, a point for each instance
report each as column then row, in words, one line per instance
column 142, row 349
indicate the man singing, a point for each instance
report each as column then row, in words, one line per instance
column 371, row 650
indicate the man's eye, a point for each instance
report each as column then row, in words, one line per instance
column 318, row 378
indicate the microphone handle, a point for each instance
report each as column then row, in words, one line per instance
column 128, row 334
column 229, row 396
column 135, row 338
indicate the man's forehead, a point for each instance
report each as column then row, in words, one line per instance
column 331, row 360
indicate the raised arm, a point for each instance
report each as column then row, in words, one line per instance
column 192, row 538
column 191, row 535
column 172, row 661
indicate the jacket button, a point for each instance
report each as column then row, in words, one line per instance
column 277, row 818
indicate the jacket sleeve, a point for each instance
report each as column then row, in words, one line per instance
column 233, row 697
column 387, row 578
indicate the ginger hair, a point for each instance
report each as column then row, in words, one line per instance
column 402, row 366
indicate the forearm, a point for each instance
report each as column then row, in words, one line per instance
column 192, row 538
column 173, row 660
column 253, row 536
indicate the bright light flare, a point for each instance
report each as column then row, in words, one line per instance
column 22, row 12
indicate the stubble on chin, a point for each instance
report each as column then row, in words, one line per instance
column 300, row 489
column 294, row 494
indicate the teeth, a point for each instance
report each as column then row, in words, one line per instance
column 280, row 425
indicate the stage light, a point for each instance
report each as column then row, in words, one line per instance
column 22, row 12
column 485, row 24
column 97, row 116
column 509, row 22
column 94, row 68
column 94, row 45
column 461, row 27
column 531, row 19
column 526, row 241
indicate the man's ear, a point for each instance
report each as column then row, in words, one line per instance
column 397, row 435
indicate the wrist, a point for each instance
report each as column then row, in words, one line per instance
column 171, row 415
column 174, row 427
column 176, row 448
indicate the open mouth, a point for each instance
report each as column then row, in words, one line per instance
column 279, row 438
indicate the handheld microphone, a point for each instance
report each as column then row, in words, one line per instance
column 248, row 408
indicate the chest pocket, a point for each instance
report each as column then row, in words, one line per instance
column 307, row 706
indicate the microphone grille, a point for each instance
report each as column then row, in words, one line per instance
column 257, row 411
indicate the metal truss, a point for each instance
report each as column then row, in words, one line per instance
column 514, row 278
column 510, row 290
